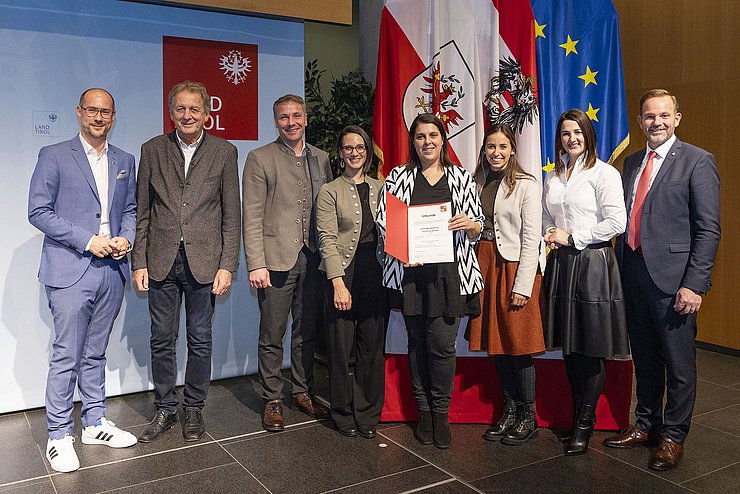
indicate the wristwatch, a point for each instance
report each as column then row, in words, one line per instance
column 571, row 243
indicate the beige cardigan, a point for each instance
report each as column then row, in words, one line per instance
column 339, row 221
column 517, row 221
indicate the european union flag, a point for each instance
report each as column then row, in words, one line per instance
column 579, row 65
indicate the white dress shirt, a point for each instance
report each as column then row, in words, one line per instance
column 99, row 167
column 188, row 150
column 589, row 205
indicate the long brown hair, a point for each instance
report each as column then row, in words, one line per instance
column 589, row 139
column 427, row 118
column 513, row 170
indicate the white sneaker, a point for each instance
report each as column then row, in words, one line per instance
column 107, row 434
column 61, row 454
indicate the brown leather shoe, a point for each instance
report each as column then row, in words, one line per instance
column 633, row 437
column 314, row 409
column 272, row 418
column 667, row 456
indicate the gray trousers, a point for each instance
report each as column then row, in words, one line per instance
column 297, row 292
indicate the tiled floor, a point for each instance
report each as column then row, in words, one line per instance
column 237, row 456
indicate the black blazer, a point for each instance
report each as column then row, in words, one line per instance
column 679, row 227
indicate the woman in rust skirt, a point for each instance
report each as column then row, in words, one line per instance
column 510, row 325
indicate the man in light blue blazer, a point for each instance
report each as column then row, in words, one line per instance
column 83, row 198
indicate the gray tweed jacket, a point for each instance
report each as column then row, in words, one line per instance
column 202, row 208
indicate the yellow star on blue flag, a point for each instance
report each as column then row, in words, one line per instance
column 589, row 77
column 572, row 81
column 569, row 46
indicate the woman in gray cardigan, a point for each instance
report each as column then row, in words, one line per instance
column 351, row 256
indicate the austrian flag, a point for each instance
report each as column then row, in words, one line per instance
column 450, row 58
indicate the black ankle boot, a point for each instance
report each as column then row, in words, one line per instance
column 525, row 428
column 506, row 422
column 581, row 434
column 423, row 430
column 442, row 434
column 576, row 412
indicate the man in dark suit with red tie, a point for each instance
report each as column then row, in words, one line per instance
column 666, row 257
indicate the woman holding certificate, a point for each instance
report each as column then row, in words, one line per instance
column 357, row 311
column 583, row 209
column 510, row 324
column 433, row 296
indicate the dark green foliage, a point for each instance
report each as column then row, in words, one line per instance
column 351, row 102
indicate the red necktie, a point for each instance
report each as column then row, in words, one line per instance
column 633, row 235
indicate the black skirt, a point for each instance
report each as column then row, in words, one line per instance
column 584, row 302
column 433, row 290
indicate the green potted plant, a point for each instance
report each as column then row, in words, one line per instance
column 351, row 102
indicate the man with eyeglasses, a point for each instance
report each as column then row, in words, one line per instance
column 187, row 244
column 280, row 184
column 83, row 198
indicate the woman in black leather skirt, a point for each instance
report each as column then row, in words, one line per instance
column 582, row 210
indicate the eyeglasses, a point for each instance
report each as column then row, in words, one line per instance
column 91, row 111
column 360, row 148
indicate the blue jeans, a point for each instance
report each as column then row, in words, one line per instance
column 165, row 298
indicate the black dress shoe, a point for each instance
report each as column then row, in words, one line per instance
column 347, row 430
column 160, row 424
column 194, row 427
column 367, row 431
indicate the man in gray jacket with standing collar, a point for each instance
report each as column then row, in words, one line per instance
column 280, row 184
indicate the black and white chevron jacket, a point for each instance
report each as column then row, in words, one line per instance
column 400, row 183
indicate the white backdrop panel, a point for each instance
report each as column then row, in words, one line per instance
column 49, row 53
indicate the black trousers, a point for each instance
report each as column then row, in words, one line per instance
column 663, row 352
column 431, row 351
column 297, row 293
column 165, row 298
column 358, row 399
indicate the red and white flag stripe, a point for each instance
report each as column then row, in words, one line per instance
column 444, row 57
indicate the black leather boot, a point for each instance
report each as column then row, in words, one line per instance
column 525, row 428
column 578, row 443
column 506, row 422
column 442, row 434
column 423, row 430
column 576, row 411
